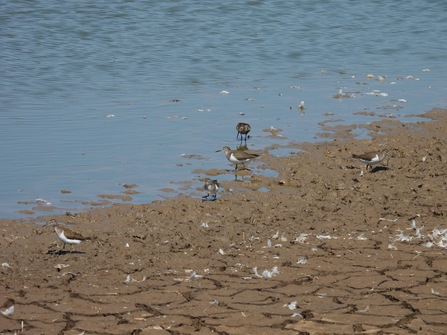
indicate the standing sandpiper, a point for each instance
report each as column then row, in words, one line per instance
column 243, row 129
column 371, row 158
column 211, row 186
column 237, row 156
column 66, row 235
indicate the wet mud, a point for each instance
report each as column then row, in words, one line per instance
column 330, row 249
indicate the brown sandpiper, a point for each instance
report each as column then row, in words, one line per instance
column 211, row 187
column 371, row 158
column 237, row 156
column 66, row 235
column 243, row 129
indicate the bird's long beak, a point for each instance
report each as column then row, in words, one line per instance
column 218, row 150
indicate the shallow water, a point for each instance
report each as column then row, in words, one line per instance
column 67, row 66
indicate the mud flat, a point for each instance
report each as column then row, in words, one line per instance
column 327, row 250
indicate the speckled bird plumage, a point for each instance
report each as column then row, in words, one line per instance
column 211, row 187
column 243, row 129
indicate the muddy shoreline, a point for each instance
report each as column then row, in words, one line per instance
column 328, row 250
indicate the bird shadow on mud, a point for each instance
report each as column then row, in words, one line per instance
column 379, row 168
column 64, row 252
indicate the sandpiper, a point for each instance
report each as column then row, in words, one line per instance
column 371, row 158
column 243, row 129
column 237, row 156
column 66, row 235
column 211, row 186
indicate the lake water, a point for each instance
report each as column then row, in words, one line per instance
column 68, row 67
